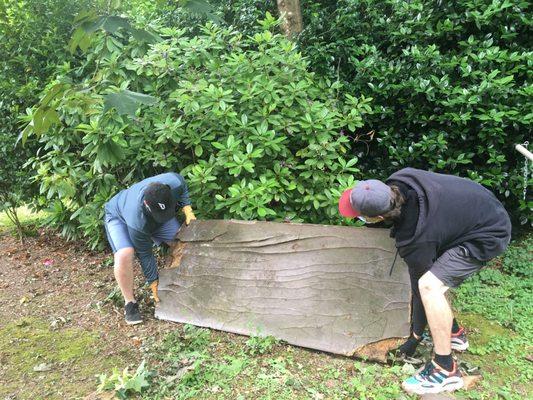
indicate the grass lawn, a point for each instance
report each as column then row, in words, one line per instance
column 60, row 331
column 27, row 218
column 495, row 307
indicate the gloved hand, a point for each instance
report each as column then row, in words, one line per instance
column 154, row 286
column 189, row 215
column 409, row 347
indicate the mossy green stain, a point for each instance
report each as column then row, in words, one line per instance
column 71, row 353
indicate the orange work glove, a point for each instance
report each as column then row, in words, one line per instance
column 154, row 286
column 189, row 215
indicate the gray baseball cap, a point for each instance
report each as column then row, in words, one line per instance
column 369, row 198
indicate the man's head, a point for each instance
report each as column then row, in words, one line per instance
column 159, row 203
column 371, row 200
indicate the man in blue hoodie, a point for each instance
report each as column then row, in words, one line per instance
column 135, row 219
column 446, row 228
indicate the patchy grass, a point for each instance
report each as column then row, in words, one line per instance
column 501, row 330
column 27, row 217
column 34, row 358
column 193, row 363
column 495, row 307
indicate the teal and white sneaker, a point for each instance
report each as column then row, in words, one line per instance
column 434, row 379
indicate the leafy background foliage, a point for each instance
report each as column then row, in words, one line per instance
column 31, row 38
column 451, row 83
column 132, row 88
column 255, row 133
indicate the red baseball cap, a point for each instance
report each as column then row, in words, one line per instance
column 345, row 205
column 369, row 198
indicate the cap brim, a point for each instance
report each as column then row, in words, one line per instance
column 345, row 207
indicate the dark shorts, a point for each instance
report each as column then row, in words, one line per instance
column 455, row 265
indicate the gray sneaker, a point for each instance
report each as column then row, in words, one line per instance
column 459, row 340
column 133, row 316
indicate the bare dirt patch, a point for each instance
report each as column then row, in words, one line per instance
column 56, row 330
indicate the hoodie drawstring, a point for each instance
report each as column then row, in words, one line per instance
column 393, row 262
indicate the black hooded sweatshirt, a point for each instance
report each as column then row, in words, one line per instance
column 452, row 211
column 441, row 212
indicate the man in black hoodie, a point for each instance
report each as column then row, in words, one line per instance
column 446, row 228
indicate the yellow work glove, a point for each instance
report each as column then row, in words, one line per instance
column 189, row 215
column 154, row 286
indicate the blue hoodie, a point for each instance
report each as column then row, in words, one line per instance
column 127, row 206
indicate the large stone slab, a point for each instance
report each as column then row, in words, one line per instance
column 316, row 286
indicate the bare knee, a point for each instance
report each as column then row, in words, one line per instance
column 124, row 257
column 429, row 285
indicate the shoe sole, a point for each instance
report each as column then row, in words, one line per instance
column 448, row 388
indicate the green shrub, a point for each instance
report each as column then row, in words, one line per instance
column 260, row 344
column 451, row 83
column 256, row 135
column 32, row 37
column 124, row 384
column 518, row 260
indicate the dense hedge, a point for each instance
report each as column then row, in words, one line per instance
column 254, row 132
column 32, row 38
column 450, row 82
column 257, row 134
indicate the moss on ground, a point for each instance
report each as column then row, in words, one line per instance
column 70, row 358
column 482, row 331
column 499, row 353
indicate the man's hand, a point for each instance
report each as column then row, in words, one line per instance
column 189, row 215
column 154, row 286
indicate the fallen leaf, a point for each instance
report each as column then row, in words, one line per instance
column 42, row 367
column 408, row 369
column 470, row 381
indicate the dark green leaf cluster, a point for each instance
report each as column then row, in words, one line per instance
column 451, row 83
column 256, row 135
column 518, row 260
column 32, row 38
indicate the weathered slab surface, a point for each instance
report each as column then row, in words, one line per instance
column 316, row 286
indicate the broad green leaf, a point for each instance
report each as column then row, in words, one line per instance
column 127, row 102
column 202, row 7
column 198, row 150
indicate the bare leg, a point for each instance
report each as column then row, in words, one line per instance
column 438, row 311
column 124, row 272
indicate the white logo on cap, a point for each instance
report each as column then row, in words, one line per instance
column 161, row 205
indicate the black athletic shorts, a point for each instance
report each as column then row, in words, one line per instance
column 455, row 265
